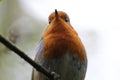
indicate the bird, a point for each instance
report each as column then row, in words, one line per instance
column 61, row 50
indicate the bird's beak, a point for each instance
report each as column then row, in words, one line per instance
column 56, row 13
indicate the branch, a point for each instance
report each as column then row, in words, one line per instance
column 25, row 57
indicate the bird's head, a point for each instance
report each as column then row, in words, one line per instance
column 59, row 15
column 59, row 22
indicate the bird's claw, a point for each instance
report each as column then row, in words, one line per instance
column 55, row 76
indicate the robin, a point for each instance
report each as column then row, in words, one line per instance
column 60, row 50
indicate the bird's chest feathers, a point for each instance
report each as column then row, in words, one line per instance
column 56, row 46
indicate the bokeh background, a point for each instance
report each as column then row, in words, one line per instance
column 97, row 22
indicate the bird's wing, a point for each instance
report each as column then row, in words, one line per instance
column 40, row 49
column 35, row 75
column 40, row 46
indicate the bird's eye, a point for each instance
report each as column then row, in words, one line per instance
column 49, row 21
column 67, row 19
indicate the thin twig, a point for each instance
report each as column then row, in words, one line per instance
column 25, row 57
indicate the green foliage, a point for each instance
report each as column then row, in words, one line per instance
column 1, row 0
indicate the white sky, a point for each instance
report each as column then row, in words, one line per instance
column 101, row 17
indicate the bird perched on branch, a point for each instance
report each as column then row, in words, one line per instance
column 61, row 50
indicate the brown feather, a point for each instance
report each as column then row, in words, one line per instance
column 60, row 38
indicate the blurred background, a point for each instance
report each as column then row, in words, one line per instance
column 97, row 22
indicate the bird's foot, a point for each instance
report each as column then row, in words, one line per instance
column 55, row 76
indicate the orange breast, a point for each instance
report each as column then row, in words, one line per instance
column 60, row 39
